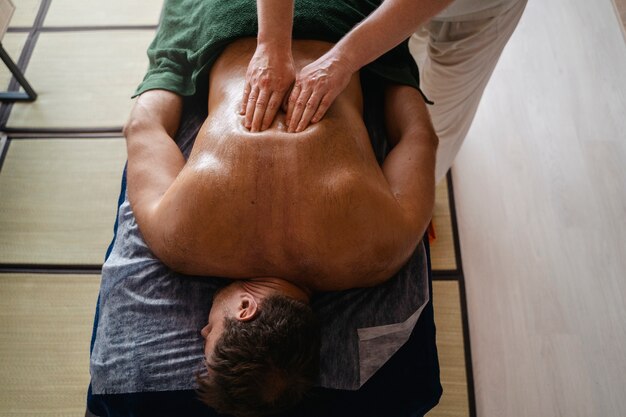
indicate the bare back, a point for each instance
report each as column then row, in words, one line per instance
column 312, row 207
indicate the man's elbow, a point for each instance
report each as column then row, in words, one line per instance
column 426, row 135
column 421, row 135
column 134, row 125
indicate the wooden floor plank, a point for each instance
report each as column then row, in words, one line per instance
column 540, row 194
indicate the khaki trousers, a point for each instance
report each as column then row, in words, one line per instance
column 456, row 59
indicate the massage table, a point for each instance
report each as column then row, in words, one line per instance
column 378, row 354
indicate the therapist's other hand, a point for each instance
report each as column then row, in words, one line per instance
column 270, row 74
column 316, row 87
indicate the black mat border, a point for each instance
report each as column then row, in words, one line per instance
column 93, row 28
column 445, row 275
column 6, row 139
column 5, row 142
column 469, row 369
column 96, row 28
column 50, row 269
column 49, row 135
column 19, row 29
column 41, row 132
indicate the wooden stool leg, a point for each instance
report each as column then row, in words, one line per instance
column 29, row 95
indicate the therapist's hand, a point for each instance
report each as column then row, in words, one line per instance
column 269, row 76
column 315, row 89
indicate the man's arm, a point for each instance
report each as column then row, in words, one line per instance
column 410, row 166
column 389, row 25
column 154, row 160
column 319, row 83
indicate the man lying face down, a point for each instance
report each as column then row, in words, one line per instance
column 284, row 215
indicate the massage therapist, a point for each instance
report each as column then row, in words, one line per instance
column 271, row 73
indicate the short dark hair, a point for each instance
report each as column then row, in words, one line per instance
column 265, row 365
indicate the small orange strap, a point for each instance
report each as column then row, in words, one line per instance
column 432, row 235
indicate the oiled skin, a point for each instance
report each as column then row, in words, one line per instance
column 313, row 208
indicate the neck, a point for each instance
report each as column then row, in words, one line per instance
column 266, row 286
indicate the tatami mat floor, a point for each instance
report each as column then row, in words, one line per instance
column 87, row 88
column 45, row 328
column 59, row 179
column 58, row 200
column 25, row 13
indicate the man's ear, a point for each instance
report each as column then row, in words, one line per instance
column 248, row 308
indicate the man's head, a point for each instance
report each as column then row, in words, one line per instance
column 262, row 352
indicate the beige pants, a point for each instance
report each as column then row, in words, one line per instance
column 456, row 59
